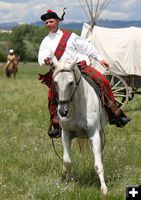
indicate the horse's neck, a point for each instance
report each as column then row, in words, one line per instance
column 85, row 94
column 11, row 65
column 85, row 89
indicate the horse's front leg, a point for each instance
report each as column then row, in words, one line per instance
column 67, row 163
column 96, row 143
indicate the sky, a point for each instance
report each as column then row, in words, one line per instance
column 28, row 11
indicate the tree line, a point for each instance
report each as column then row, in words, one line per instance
column 24, row 39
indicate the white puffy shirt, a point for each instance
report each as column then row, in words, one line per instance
column 75, row 45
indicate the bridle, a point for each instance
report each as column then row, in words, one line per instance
column 77, row 83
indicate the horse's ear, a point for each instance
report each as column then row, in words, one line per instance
column 73, row 64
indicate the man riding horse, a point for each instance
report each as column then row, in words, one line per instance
column 11, row 65
column 10, row 58
column 66, row 45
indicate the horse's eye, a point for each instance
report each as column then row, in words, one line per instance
column 71, row 83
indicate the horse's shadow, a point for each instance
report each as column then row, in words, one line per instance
column 88, row 179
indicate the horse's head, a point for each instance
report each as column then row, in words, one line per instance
column 66, row 78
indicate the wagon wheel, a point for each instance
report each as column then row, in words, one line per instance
column 119, row 88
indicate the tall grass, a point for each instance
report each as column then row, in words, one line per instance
column 29, row 168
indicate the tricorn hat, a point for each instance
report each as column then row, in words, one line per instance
column 52, row 15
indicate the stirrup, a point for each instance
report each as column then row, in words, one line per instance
column 56, row 133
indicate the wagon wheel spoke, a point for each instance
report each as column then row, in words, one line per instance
column 119, row 88
column 116, row 84
column 112, row 81
column 119, row 102
column 119, row 95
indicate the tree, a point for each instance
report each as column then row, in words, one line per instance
column 18, row 35
column 5, row 45
column 30, row 51
column 4, row 48
column 26, row 40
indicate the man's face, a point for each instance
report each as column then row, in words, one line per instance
column 52, row 25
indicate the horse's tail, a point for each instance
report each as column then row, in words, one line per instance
column 83, row 144
column 103, row 122
column 103, row 139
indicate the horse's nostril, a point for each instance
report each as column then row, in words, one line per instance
column 63, row 112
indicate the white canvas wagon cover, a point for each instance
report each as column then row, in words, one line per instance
column 121, row 47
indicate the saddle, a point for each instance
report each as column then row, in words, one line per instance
column 112, row 110
column 95, row 86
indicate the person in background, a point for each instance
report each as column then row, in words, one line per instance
column 10, row 58
column 66, row 45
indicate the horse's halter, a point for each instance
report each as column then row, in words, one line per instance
column 77, row 83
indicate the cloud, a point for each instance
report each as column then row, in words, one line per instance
column 114, row 15
column 7, row 11
column 31, row 10
column 122, row 10
column 129, row 4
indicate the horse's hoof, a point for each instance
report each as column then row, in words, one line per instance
column 63, row 175
column 104, row 190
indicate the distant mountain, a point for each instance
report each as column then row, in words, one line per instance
column 78, row 26
column 70, row 25
column 9, row 26
column 118, row 23
column 103, row 23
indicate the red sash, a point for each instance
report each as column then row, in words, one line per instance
column 62, row 44
column 47, row 78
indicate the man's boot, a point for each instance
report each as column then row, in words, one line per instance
column 122, row 120
column 54, row 129
column 116, row 115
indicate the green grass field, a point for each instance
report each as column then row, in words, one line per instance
column 29, row 168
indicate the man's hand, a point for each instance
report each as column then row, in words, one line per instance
column 104, row 63
column 47, row 61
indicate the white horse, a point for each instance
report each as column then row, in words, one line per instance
column 80, row 113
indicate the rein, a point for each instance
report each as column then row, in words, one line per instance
column 56, row 151
column 77, row 83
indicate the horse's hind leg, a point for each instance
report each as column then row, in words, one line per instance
column 14, row 75
column 7, row 73
column 67, row 164
column 96, row 143
column 15, row 72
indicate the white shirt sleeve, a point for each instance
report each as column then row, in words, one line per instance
column 44, row 52
column 85, row 48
